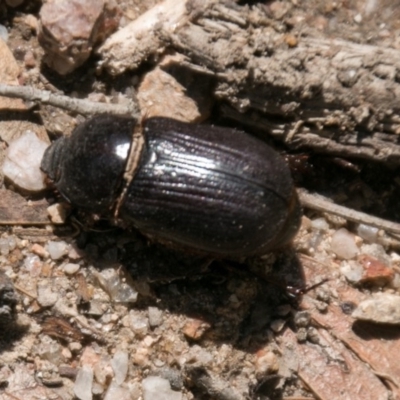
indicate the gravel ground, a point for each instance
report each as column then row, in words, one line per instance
column 103, row 314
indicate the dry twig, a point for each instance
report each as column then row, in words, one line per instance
column 81, row 106
column 319, row 203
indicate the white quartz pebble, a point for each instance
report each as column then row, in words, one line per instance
column 343, row 244
column 119, row 364
column 57, row 249
column 156, row 388
column 71, row 269
column 83, row 383
column 22, row 163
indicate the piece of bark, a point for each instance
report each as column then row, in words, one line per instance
column 16, row 210
column 329, row 95
column 365, row 340
column 141, row 39
column 329, row 378
column 332, row 96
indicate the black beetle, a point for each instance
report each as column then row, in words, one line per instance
column 208, row 189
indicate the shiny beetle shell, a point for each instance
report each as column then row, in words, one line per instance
column 208, row 189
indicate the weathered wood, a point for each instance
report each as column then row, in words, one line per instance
column 15, row 210
column 332, row 96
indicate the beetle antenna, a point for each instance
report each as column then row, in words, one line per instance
column 294, row 291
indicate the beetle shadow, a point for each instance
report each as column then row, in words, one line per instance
column 367, row 330
column 11, row 332
column 236, row 301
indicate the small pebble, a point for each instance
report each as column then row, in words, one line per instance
column 119, row 364
column 138, row 323
column 49, row 350
column 66, row 354
column 347, row 307
column 74, row 253
column 22, row 163
column 367, row 232
column 75, row 347
column 381, row 308
column 301, row 335
column 70, row 28
column 321, row 306
column 283, row 309
column 119, row 291
column 377, row 251
column 158, row 363
column 312, row 335
column 336, row 220
column 141, row 356
column 194, row 329
column 57, row 213
column 83, row 383
column 343, row 244
column 320, row 224
column 90, row 356
column 98, row 389
column 277, row 325
column 103, row 371
column 291, row 40
column 4, row 246
column 95, row 308
column 375, row 272
column 266, row 362
column 396, row 282
column 47, row 270
column 174, row 377
column 57, row 249
column 352, row 270
column 32, row 22
column 156, row 388
column 305, row 223
column 199, row 355
column 46, row 297
column 323, row 294
column 71, row 269
column 358, row 18
column 302, row 318
column 8, row 300
column 65, row 308
column 12, row 243
column 29, row 59
column 116, row 392
column 3, row 33
column 39, row 250
column 155, row 316
column 33, row 265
